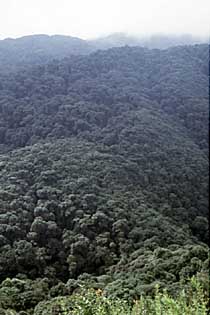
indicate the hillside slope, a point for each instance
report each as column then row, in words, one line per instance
column 85, row 94
column 103, row 174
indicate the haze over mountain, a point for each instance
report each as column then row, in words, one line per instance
column 42, row 48
column 93, row 18
column 154, row 41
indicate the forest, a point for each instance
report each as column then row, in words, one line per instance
column 104, row 180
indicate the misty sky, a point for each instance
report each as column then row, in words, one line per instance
column 93, row 18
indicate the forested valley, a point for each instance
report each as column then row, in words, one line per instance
column 103, row 176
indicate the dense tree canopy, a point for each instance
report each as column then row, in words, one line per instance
column 87, row 94
column 103, row 173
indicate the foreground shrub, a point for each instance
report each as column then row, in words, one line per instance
column 190, row 301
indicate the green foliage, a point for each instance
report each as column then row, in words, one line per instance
column 191, row 301
column 22, row 294
column 190, row 297
column 104, row 178
column 92, row 96
column 95, row 214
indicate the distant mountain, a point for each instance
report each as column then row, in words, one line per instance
column 36, row 49
column 155, row 41
column 164, row 42
column 115, row 40
column 41, row 48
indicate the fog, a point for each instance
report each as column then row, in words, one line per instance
column 94, row 18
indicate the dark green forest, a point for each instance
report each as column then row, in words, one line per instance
column 103, row 174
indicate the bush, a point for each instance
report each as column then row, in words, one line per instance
column 189, row 301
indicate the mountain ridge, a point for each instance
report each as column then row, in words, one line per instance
column 42, row 47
